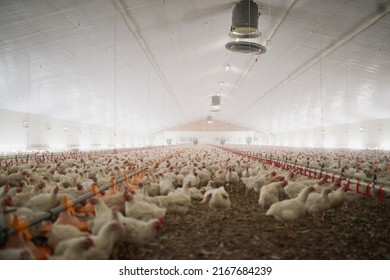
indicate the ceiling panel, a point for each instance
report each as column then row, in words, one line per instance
column 144, row 66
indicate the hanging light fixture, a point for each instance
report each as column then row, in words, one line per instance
column 209, row 119
column 215, row 103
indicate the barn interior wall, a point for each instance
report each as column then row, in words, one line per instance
column 21, row 132
column 374, row 134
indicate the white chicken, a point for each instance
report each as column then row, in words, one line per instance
column 204, row 176
column 3, row 180
column 293, row 189
column 196, row 194
column 143, row 210
column 92, row 247
column 150, row 188
column 79, row 189
column 109, row 236
column 218, row 200
column 245, row 172
column 317, row 203
column 166, row 185
column 257, row 182
column 60, row 233
column 287, row 211
column 337, row 199
column 192, row 177
column 20, row 199
column 103, row 213
column 176, row 203
column 219, row 177
column 4, row 191
column 232, row 178
column 137, row 232
column 179, row 178
column 45, row 201
column 13, row 179
column 73, row 249
column 271, row 193
column 148, row 178
column 117, row 200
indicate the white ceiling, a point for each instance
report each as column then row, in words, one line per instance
column 147, row 65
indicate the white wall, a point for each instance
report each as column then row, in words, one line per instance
column 15, row 137
column 204, row 137
column 375, row 135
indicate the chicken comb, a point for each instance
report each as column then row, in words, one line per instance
column 161, row 220
column 6, row 189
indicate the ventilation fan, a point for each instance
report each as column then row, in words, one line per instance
column 245, row 17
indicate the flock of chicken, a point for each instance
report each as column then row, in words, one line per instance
column 362, row 164
column 165, row 182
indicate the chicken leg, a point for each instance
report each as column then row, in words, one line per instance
column 289, row 229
